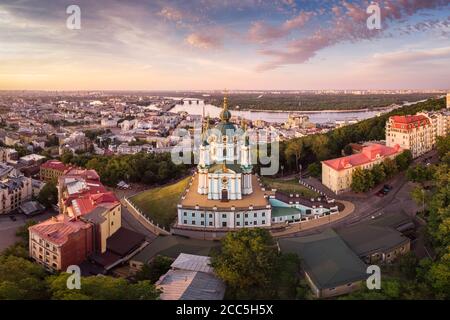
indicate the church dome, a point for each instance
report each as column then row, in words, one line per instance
column 225, row 126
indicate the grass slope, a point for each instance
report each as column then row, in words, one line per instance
column 289, row 186
column 160, row 204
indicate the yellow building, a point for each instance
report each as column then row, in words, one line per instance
column 337, row 173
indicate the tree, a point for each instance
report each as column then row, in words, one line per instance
column 378, row 173
column 48, row 196
column 315, row 169
column 153, row 271
column 22, row 231
column 390, row 167
column 246, row 263
column 101, row 288
column 294, row 149
column 362, row 180
column 403, row 160
column 21, row 279
column 348, row 150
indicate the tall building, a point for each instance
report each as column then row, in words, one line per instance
column 440, row 121
column 60, row 242
column 415, row 133
column 337, row 173
column 15, row 189
column 89, row 216
column 448, row 100
column 224, row 193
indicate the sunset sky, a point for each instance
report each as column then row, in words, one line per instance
column 216, row 44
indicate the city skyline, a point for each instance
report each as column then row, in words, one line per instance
column 240, row 45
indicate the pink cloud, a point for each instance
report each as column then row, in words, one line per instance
column 349, row 24
column 204, row 40
column 262, row 32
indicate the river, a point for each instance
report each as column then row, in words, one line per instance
column 318, row 117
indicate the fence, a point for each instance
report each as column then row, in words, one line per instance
column 146, row 221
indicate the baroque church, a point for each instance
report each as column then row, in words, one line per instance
column 223, row 194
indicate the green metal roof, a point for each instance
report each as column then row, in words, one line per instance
column 284, row 211
column 326, row 258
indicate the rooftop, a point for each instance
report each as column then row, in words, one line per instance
column 193, row 263
column 367, row 155
column 57, row 230
column 190, row 285
column 326, row 258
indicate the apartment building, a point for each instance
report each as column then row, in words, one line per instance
column 89, row 216
column 52, row 170
column 83, row 196
column 415, row 133
column 337, row 173
column 60, row 242
column 8, row 154
column 15, row 189
column 440, row 121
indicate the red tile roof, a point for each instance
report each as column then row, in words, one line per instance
column 409, row 122
column 367, row 155
column 55, row 165
column 57, row 230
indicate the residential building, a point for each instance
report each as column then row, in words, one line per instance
column 52, row 170
column 448, row 100
column 90, row 216
column 191, row 277
column 60, row 241
column 15, row 189
column 440, row 121
column 8, row 154
column 337, row 173
column 82, row 195
column 415, row 133
column 331, row 268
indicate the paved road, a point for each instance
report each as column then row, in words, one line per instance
column 8, row 227
column 369, row 205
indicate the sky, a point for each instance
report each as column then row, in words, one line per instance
column 218, row 44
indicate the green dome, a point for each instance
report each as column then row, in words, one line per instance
column 226, row 128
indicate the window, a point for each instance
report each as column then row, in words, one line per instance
column 185, row 221
column 246, row 223
column 202, row 215
column 210, row 215
column 210, row 223
column 224, row 216
column 184, row 214
column 193, row 214
column 54, row 265
column 246, row 215
column 224, row 224
column 255, row 223
column 238, row 216
column 238, row 223
column 263, row 222
column 255, row 215
column 202, row 223
column 193, row 222
column 263, row 214
column 112, row 223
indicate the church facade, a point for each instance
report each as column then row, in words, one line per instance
column 224, row 192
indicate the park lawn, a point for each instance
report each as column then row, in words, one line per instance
column 160, row 204
column 289, row 186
